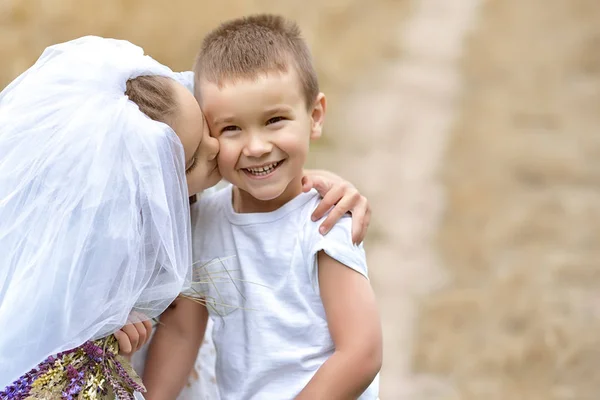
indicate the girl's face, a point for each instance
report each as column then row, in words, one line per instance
column 199, row 147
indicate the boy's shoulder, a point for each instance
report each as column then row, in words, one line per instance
column 215, row 195
column 210, row 204
column 337, row 244
column 341, row 232
column 293, row 220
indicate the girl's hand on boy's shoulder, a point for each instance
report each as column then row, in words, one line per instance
column 343, row 197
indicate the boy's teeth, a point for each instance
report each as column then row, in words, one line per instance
column 267, row 169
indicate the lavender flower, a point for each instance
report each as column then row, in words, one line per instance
column 93, row 367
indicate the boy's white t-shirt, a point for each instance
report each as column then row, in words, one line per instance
column 261, row 282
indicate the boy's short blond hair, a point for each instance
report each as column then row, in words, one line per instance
column 244, row 48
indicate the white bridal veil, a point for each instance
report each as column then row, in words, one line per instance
column 94, row 214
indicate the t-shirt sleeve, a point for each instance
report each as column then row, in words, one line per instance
column 338, row 245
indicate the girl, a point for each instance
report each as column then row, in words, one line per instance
column 94, row 226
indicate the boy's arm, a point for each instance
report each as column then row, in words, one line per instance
column 355, row 328
column 173, row 349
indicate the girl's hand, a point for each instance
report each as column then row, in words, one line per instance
column 343, row 197
column 134, row 335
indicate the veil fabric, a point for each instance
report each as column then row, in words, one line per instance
column 94, row 213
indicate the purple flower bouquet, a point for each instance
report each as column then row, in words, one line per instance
column 92, row 371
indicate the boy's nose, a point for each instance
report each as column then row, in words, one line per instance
column 257, row 146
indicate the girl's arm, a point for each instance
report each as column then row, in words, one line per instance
column 355, row 328
column 173, row 349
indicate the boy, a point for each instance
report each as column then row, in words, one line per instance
column 294, row 314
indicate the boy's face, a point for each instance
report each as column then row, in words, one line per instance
column 264, row 128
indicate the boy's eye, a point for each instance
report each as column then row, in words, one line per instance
column 275, row 120
column 230, row 128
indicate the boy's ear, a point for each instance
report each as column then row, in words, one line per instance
column 318, row 116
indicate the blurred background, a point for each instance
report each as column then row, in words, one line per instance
column 473, row 127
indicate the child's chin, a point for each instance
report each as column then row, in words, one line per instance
column 269, row 194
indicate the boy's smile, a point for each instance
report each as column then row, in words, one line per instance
column 263, row 171
column 264, row 127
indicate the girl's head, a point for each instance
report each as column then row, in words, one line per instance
column 165, row 100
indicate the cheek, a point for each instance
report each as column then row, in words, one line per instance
column 213, row 145
column 296, row 141
column 228, row 153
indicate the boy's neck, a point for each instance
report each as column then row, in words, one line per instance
column 244, row 203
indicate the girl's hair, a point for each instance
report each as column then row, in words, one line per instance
column 154, row 95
